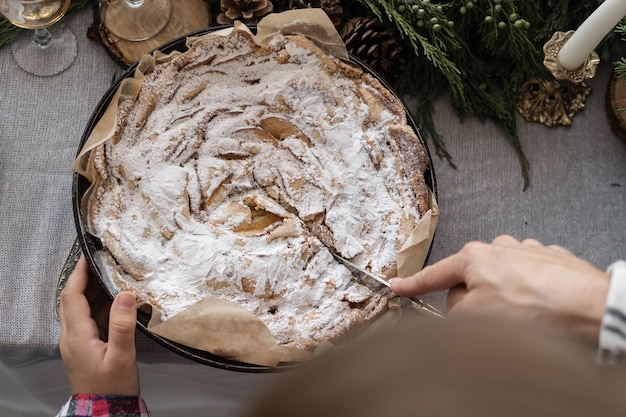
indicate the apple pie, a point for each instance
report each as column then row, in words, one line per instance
column 238, row 170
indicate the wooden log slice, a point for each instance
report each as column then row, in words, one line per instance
column 187, row 16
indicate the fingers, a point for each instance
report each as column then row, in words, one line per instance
column 76, row 282
column 445, row 274
column 440, row 276
column 74, row 308
column 561, row 250
column 533, row 243
column 476, row 259
column 450, row 271
column 75, row 312
column 122, row 322
column 505, row 240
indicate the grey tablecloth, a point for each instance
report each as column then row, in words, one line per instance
column 577, row 198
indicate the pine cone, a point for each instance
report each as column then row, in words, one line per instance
column 333, row 8
column 248, row 11
column 371, row 41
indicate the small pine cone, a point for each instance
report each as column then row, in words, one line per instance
column 247, row 11
column 333, row 8
column 371, row 41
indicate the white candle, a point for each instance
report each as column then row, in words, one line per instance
column 585, row 39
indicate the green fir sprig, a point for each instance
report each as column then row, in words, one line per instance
column 479, row 52
column 620, row 65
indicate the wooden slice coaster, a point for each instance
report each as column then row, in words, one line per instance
column 616, row 105
column 187, row 16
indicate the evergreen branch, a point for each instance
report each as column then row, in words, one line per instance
column 464, row 56
column 436, row 54
column 480, row 52
column 620, row 68
column 620, row 65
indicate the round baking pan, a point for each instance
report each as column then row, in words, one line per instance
column 90, row 244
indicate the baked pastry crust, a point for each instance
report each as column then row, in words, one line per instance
column 236, row 171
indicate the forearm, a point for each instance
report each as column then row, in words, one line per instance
column 90, row 405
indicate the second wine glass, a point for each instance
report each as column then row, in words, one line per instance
column 135, row 20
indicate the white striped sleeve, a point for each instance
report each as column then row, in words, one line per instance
column 613, row 330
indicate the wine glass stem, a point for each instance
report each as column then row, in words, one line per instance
column 42, row 38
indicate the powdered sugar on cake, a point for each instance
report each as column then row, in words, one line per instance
column 236, row 170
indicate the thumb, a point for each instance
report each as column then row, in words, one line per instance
column 122, row 323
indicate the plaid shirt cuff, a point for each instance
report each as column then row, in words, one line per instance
column 90, row 405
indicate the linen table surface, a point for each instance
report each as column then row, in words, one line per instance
column 576, row 198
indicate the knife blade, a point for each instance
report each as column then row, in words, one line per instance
column 426, row 307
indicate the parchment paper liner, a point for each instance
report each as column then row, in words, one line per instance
column 219, row 326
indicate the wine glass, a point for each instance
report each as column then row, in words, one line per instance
column 44, row 53
column 135, row 20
